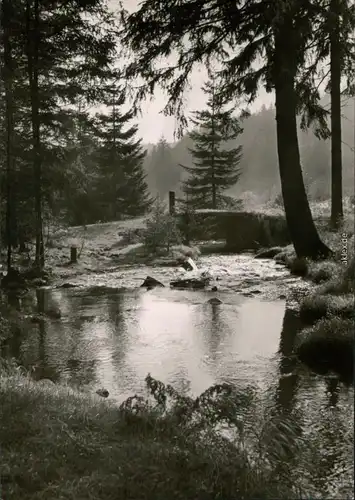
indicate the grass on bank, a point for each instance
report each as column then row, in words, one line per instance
column 60, row 444
column 330, row 308
column 316, row 306
column 328, row 345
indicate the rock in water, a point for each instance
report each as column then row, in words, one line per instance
column 150, row 282
column 214, row 301
column 192, row 283
column 189, row 265
column 103, row 393
column 54, row 313
column 67, row 285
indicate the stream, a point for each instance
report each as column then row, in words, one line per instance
column 112, row 333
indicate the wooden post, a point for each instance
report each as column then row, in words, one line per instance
column 186, row 217
column 73, row 255
column 171, row 202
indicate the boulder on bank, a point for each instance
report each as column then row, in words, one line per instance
column 191, row 284
column 268, row 253
column 281, row 258
column 150, row 282
column 328, row 347
column 46, row 382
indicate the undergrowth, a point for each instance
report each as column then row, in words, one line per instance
column 60, row 444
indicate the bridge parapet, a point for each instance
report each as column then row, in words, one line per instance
column 242, row 230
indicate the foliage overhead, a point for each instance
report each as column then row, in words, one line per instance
column 238, row 35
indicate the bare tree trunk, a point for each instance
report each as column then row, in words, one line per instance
column 33, row 35
column 6, row 16
column 302, row 230
column 336, row 147
column 213, row 180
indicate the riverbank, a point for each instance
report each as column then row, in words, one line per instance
column 329, row 310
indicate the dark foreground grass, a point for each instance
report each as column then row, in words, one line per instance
column 60, row 444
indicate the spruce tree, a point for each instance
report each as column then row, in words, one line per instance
column 215, row 168
column 76, row 184
column 121, row 187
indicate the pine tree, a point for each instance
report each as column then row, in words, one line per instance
column 335, row 90
column 8, row 75
column 122, row 188
column 76, row 183
column 215, row 168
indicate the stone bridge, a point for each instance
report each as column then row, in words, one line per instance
column 242, row 230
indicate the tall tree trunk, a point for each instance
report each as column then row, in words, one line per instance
column 32, row 61
column 302, row 230
column 336, row 147
column 6, row 17
column 213, row 179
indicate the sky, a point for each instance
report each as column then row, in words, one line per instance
column 153, row 124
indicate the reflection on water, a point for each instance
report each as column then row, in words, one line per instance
column 113, row 339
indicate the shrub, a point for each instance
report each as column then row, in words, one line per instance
column 162, row 230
